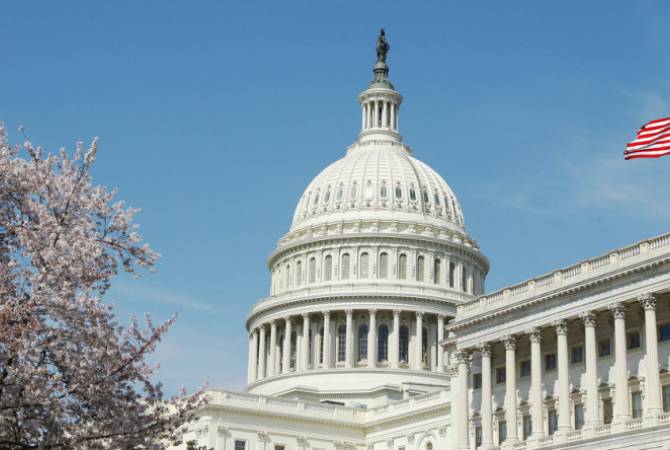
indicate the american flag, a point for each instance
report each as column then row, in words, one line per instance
column 652, row 141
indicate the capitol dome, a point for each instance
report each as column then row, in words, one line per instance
column 375, row 262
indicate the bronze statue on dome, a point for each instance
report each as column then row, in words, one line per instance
column 382, row 47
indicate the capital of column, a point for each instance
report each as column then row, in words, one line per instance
column 419, row 314
column 305, row 316
column 326, row 313
column 441, row 316
column 648, row 301
column 273, row 322
column 589, row 318
column 372, row 311
column 534, row 335
column 509, row 342
column 462, row 357
column 396, row 312
column 349, row 311
column 618, row 310
column 561, row 327
column 485, row 350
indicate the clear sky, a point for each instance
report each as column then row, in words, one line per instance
column 214, row 116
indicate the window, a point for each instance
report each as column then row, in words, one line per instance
column 476, row 381
column 316, row 198
column 437, row 268
column 321, row 345
column 525, row 368
column 527, row 426
column 636, row 404
column 412, row 193
column 552, row 421
column 424, row 348
column 550, row 361
column 577, row 354
column 298, row 273
column 437, row 199
column 452, row 271
column 294, row 348
column 502, row 431
column 240, row 445
column 604, row 347
column 383, row 343
column 340, row 191
column 341, row 343
column 369, row 191
column 464, row 279
column 383, row 192
column 325, row 200
column 288, row 275
column 363, row 270
column 398, row 192
column 664, row 332
column 632, row 340
column 404, row 343
column 362, row 342
column 425, row 197
column 345, row 266
column 478, row 436
column 312, row 270
column 429, row 446
column 280, row 447
column 383, row 265
column 579, row 416
column 607, row 410
column 327, row 268
column 402, row 267
column 666, row 398
column 354, row 191
column 419, row 268
column 501, row 374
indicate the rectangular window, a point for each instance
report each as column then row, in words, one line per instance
column 664, row 332
column 550, row 361
column 607, row 410
column 280, row 447
column 502, row 432
column 527, row 427
column 632, row 340
column 240, row 445
column 579, row 416
column 604, row 347
column 501, row 374
column 636, row 404
column 478, row 436
column 525, row 368
column 666, row 398
column 477, row 381
column 552, row 421
column 577, row 354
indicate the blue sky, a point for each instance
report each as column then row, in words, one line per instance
column 214, row 116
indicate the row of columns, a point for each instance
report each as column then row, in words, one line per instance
column 375, row 110
column 621, row 415
column 263, row 362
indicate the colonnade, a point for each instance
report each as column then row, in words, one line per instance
column 347, row 339
column 379, row 113
column 592, row 418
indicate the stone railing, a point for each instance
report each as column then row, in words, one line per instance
column 614, row 260
column 409, row 402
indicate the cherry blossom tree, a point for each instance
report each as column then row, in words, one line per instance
column 71, row 377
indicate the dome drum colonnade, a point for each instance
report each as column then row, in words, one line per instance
column 564, row 428
column 375, row 262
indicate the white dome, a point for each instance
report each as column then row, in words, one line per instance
column 379, row 180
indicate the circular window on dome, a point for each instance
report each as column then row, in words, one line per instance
column 354, row 191
column 383, row 192
column 398, row 192
column 340, row 192
column 412, row 193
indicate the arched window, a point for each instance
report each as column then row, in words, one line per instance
column 298, row 273
column 294, row 346
column 341, row 343
column 280, row 353
column 425, row 197
column 437, row 200
column 316, row 198
column 327, row 196
column 437, row 270
column 452, row 273
column 362, row 342
column 412, row 193
column 312, row 270
column 369, row 191
column 404, row 343
column 354, row 191
column 383, row 192
column 383, row 343
column 424, row 348
column 365, row 262
column 321, row 345
column 383, row 265
column 429, row 446
column 344, row 270
column 288, row 275
column 327, row 268
column 398, row 192
column 464, row 278
column 402, row 266
column 340, row 192
column 419, row 268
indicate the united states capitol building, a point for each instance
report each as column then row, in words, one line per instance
column 379, row 334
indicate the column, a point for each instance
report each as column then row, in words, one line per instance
column 326, row 339
column 621, row 391
column 393, row 116
column 384, row 114
column 395, row 355
column 536, row 385
column 273, row 348
column 418, row 350
column 372, row 338
column 487, row 402
column 592, row 413
column 652, row 384
column 510, row 389
column 349, row 354
column 261, row 354
column 563, row 378
column 286, row 362
column 363, row 112
column 253, row 373
column 374, row 113
column 304, row 354
column 250, row 358
column 316, row 344
column 440, row 338
column 461, row 413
